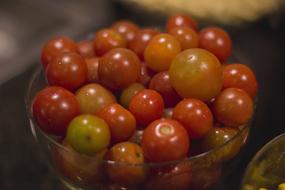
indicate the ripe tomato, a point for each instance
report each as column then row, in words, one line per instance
column 140, row 41
column 56, row 46
column 240, row 76
column 233, row 107
column 195, row 116
column 165, row 140
column 108, row 39
column 217, row 41
column 129, row 93
column 53, row 108
column 161, row 83
column 92, row 68
column 177, row 177
column 147, row 106
column 68, row 70
column 128, row 168
column 93, row 97
column 196, row 73
column 180, row 20
column 88, row 134
column 86, row 49
column 119, row 68
column 187, row 37
column 121, row 122
column 160, row 51
column 126, row 28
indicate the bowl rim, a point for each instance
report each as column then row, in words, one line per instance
column 28, row 104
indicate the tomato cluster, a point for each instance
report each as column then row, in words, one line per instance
column 142, row 95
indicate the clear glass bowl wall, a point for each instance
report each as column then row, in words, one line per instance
column 79, row 171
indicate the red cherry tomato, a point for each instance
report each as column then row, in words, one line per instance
column 165, row 140
column 147, row 106
column 140, row 41
column 92, row 67
column 86, row 48
column 233, row 107
column 119, row 68
column 121, row 122
column 68, row 70
column 180, row 20
column 161, row 83
column 160, row 51
column 217, row 41
column 196, row 73
column 53, row 108
column 129, row 93
column 240, row 76
column 187, row 37
column 195, row 116
column 128, row 168
column 56, row 46
column 108, row 39
column 126, row 28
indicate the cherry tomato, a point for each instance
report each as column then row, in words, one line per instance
column 145, row 74
column 56, row 46
column 147, row 106
column 171, row 177
column 187, row 37
column 233, row 107
column 86, row 48
column 240, row 76
column 180, row 20
column 140, row 41
column 168, row 113
column 119, row 68
column 129, row 92
column 126, row 28
column 217, row 41
column 219, row 136
column 77, row 167
column 128, row 168
column 108, row 39
column 196, row 73
column 88, row 134
column 93, row 97
column 195, row 116
column 160, row 51
column 121, row 122
column 161, row 83
column 92, row 67
column 68, row 70
column 53, row 108
column 165, row 140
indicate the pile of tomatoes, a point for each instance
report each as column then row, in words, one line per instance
column 138, row 95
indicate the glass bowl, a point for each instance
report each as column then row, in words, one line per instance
column 266, row 170
column 77, row 171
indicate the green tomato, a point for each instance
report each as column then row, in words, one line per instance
column 129, row 93
column 88, row 134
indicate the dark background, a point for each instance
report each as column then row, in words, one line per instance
column 22, row 166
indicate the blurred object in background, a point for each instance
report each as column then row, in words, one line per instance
column 266, row 170
column 26, row 24
column 226, row 12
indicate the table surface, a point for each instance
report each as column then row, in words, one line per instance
column 22, row 166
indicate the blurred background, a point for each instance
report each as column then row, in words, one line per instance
column 257, row 28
